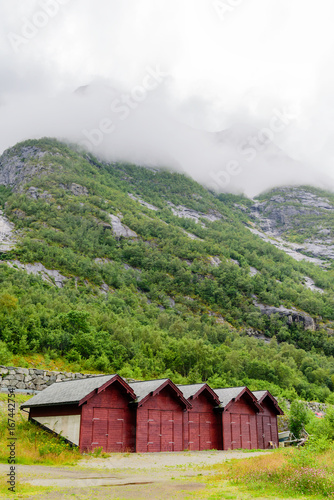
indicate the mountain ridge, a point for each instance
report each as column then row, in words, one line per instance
column 156, row 252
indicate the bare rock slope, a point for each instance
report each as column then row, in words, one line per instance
column 18, row 168
column 297, row 220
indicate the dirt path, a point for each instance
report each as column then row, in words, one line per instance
column 158, row 476
column 158, row 460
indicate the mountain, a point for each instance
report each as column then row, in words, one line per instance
column 117, row 267
column 303, row 216
column 258, row 162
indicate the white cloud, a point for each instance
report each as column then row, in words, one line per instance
column 264, row 55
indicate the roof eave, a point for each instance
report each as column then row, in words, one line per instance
column 159, row 389
column 105, row 385
column 273, row 400
column 245, row 390
column 50, row 404
column 211, row 392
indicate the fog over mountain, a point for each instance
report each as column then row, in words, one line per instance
column 236, row 94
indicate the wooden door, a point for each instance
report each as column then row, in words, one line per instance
column 253, row 432
column 100, row 428
column 167, row 428
column 235, row 431
column 116, row 430
column 194, row 431
column 274, row 430
column 245, row 432
column 153, row 442
column 266, row 431
column 178, row 430
column 205, row 431
column 260, row 432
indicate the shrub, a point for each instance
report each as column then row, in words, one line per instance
column 299, row 417
column 5, row 354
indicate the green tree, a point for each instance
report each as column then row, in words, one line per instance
column 299, row 417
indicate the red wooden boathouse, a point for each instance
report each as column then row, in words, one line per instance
column 203, row 421
column 267, row 420
column 160, row 408
column 239, row 424
column 106, row 412
column 91, row 413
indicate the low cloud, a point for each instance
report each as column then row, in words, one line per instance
column 169, row 87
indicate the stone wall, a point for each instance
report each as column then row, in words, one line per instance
column 311, row 405
column 32, row 379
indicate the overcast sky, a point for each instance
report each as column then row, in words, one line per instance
column 153, row 81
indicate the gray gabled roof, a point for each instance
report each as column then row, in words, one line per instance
column 143, row 389
column 259, row 394
column 262, row 395
column 194, row 390
column 67, row 392
column 226, row 395
column 190, row 390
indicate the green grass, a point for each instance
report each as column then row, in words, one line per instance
column 23, row 490
column 34, row 445
column 292, row 473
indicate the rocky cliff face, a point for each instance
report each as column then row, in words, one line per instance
column 19, row 167
column 299, row 221
column 291, row 315
column 7, row 237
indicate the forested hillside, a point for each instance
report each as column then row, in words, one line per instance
column 117, row 267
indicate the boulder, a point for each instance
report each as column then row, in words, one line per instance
column 291, row 315
column 22, row 371
column 40, row 387
column 120, row 229
column 39, row 380
column 78, row 190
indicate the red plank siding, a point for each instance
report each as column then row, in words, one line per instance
column 267, row 426
column 108, row 422
column 203, row 431
column 159, row 425
column 193, row 431
column 167, row 422
column 240, row 426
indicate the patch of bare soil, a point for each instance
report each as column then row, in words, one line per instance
column 125, row 476
column 158, row 460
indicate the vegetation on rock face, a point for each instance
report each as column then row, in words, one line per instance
column 172, row 301
column 301, row 215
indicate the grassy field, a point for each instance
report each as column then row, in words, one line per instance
column 34, row 445
column 45, row 362
column 285, row 473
